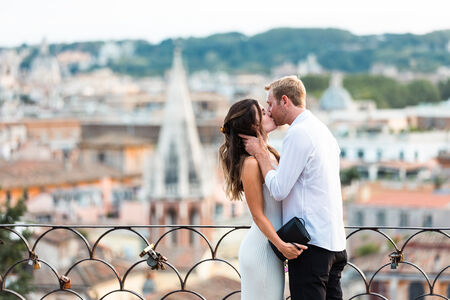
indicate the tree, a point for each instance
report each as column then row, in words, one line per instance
column 13, row 250
column 348, row 175
column 385, row 91
column 422, row 91
column 389, row 93
column 316, row 84
column 444, row 89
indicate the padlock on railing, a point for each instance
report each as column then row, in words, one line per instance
column 396, row 258
column 155, row 259
column 146, row 250
column 65, row 282
column 34, row 261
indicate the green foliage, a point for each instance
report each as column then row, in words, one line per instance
column 367, row 249
column 444, row 89
column 396, row 240
column 234, row 52
column 26, row 62
column 13, row 250
column 348, row 175
column 389, row 93
column 316, row 84
column 422, row 91
column 385, row 91
column 438, row 181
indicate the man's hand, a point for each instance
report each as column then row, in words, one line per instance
column 292, row 250
column 254, row 145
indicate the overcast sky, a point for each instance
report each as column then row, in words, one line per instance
column 28, row 21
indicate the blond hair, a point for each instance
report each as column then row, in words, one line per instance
column 290, row 86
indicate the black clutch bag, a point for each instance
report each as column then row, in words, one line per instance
column 293, row 231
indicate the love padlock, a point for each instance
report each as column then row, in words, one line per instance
column 146, row 250
column 396, row 258
column 65, row 282
column 34, row 260
column 36, row 265
column 155, row 259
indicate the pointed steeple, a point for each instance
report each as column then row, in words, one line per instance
column 177, row 165
column 43, row 48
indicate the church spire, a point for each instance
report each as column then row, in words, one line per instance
column 178, row 160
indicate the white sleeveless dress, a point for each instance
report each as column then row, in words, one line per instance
column 262, row 273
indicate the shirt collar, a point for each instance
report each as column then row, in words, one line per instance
column 301, row 117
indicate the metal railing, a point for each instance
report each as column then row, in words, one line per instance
column 62, row 280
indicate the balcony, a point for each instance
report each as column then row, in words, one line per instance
column 412, row 263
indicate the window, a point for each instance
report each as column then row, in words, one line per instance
column 153, row 219
column 381, row 218
column 44, row 219
column 66, row 153
column 171, row 172
column 360, row 153
column 401, row 156
column 359, row 218
column 415, row 290
column 218, row 211
column 194, row 219
column 428, row 221
column 403, row 219
column 379, row 154
column 172, row 220
column 101, row 157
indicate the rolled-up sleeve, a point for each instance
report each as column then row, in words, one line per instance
column 295, row 153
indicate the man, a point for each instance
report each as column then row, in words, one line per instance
column 307, row 181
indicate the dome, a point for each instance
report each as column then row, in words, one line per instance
column 45, row 68
column 336, row 97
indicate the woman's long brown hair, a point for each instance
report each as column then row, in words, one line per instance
column 241, row 118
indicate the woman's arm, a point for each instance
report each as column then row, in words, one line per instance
column 253, row 190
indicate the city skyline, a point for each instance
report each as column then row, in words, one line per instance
column 135, row 19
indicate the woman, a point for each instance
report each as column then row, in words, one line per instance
column 262, row 273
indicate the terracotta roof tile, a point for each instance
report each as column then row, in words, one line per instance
column 402, row 198
column 26, row 173
column 115, row 140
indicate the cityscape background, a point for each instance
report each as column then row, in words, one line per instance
column 122, row 127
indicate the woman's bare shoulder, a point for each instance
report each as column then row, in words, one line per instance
column 250, row 167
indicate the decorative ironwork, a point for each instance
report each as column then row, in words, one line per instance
column 156, row 260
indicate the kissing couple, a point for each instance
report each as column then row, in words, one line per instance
column 302, row 181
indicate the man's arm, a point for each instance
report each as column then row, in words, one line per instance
column 296, row 151
column 257, row 147
column 297, row 148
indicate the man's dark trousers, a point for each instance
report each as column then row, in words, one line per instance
column 316, row 274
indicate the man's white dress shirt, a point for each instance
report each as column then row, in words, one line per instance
column 307, row 180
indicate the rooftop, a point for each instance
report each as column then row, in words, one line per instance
column 405, row 198
column 115, row 140
column 28, row 173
